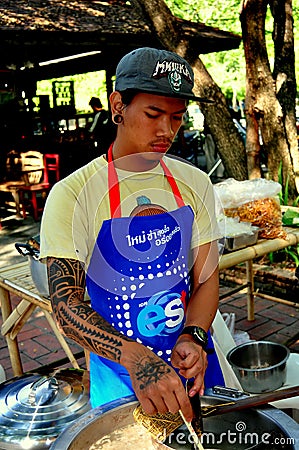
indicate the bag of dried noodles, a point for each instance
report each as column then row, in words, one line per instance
column 255, row 201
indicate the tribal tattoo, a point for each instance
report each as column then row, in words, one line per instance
column 149, row 371
column 75, row 316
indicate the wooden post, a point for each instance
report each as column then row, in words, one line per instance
column 22, row 321
column 250, row 289
column 13, row 319
column 12, row 344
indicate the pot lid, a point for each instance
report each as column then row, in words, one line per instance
column 35, row 408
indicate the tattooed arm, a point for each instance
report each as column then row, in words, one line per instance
column 156, row 384
column 74, row 316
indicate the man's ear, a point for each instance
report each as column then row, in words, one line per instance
column 116, row 102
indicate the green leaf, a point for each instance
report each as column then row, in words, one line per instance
column 296, row 201
column 290, row 218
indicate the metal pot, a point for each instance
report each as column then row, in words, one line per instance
column 236, row 430
column 38, row 270
column 36, row 408
column 260, row 366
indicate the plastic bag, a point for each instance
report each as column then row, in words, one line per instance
column 240, row 337
column 255, row 201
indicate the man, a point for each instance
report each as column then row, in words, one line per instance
column 101, row 130
column 138, row 230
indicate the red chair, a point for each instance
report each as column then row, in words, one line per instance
column 51, row 162
column 33, row 196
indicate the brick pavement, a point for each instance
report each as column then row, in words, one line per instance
column 274, row 321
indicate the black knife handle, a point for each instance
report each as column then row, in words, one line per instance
column 197, row 421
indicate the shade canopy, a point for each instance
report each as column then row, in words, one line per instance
column 33, row 33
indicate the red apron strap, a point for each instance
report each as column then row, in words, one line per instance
column 113, row 186
column 173, row 184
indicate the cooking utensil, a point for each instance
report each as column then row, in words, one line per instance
column 196, row 422
column 249, row 402
column 38, row 270
column 260, row 366
column 35, row 408
column 165, row 424
column 158, row 424
column 196, row 441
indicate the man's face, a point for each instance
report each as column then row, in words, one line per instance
column 150, row 124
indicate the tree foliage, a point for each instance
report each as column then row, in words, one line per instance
column 226, row 68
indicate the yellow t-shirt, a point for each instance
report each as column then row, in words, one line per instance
column 77, row 205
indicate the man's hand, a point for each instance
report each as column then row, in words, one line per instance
column 191, row 360
column 156, row 384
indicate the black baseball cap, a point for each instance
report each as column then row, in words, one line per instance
column 157, row 72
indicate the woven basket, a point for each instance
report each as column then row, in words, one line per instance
column 158, row 425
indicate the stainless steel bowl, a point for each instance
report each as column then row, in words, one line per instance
column 260, row 366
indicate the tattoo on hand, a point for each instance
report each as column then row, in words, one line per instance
column 149, row 371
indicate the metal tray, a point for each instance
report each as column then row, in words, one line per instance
column 241, row 240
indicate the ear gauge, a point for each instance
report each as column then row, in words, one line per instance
column 117, row 119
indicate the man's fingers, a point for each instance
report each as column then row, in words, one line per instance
column 188, row 361
column 148, row 406
column 198, row 385
column 162, row 402
column 185, row 406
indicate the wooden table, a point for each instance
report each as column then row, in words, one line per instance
column 17, row 280
column 248, row 254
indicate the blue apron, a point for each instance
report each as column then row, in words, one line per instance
column 139, row 281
